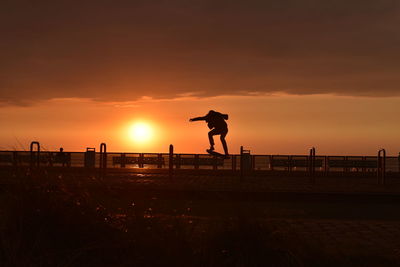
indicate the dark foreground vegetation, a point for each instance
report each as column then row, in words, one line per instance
column 58, row 220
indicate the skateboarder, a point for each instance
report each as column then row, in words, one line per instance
column 216, row 122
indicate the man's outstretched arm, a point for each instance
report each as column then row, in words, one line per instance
column 198, row 119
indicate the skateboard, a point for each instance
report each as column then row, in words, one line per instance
column 214, row 153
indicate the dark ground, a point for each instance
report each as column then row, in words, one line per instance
column 148, row 220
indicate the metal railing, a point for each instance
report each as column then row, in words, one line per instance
column 314, row 165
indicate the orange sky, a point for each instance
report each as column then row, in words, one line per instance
column 291, row 74
column 275, row 124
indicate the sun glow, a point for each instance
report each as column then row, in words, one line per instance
column 141, row 132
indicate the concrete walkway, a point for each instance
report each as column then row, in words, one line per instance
column 349, row 185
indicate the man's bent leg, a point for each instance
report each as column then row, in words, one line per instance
column 223, row 141
column 211, row 139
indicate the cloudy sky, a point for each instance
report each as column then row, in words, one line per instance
column 200, row 55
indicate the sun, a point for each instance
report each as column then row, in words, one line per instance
column 141, row 132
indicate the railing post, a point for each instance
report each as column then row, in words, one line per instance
column 32, row 159
column 103, row 156
column 171, row 161
column 363, row 170
column 241, row 163
column 196, row 161
column 384, row 167
column 326, row 165
column 123, row 160
column 398, row 162
column 103, row 159
column 311, row 164
column 378, row 167
column 141, row 160
column 159, row 161
column 381, row 169
column 271, row 162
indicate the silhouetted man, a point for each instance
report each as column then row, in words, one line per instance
column 216, row 122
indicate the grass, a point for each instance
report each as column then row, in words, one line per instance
column 58, row 220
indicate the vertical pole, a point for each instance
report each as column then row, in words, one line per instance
column 345, row 164
column 313, row 161
column 384, row 167
column 159, row 161
column 271, row 162
column 309, row 162
column 141, row 160
column 241, row 163
column 364, row 160
column 123, row 160
column 171, row 161
column 326, row 165
column 196, row 161
column 103, row 159
column 398, row 163
column 378, row 168
column 381, row 170
column 312, row 164
column 33, row 163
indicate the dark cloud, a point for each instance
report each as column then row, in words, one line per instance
column 123, row 50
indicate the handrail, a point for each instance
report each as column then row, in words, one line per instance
column 381, row 169
column 32, row 153
column 171, row 161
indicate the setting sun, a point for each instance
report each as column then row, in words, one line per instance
column 141, row 132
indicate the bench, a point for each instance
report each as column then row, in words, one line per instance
column 341, row 163
column 301, row 163
column 138, row 160
column 199, row 161
column 160, row 161
column 44, row 158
